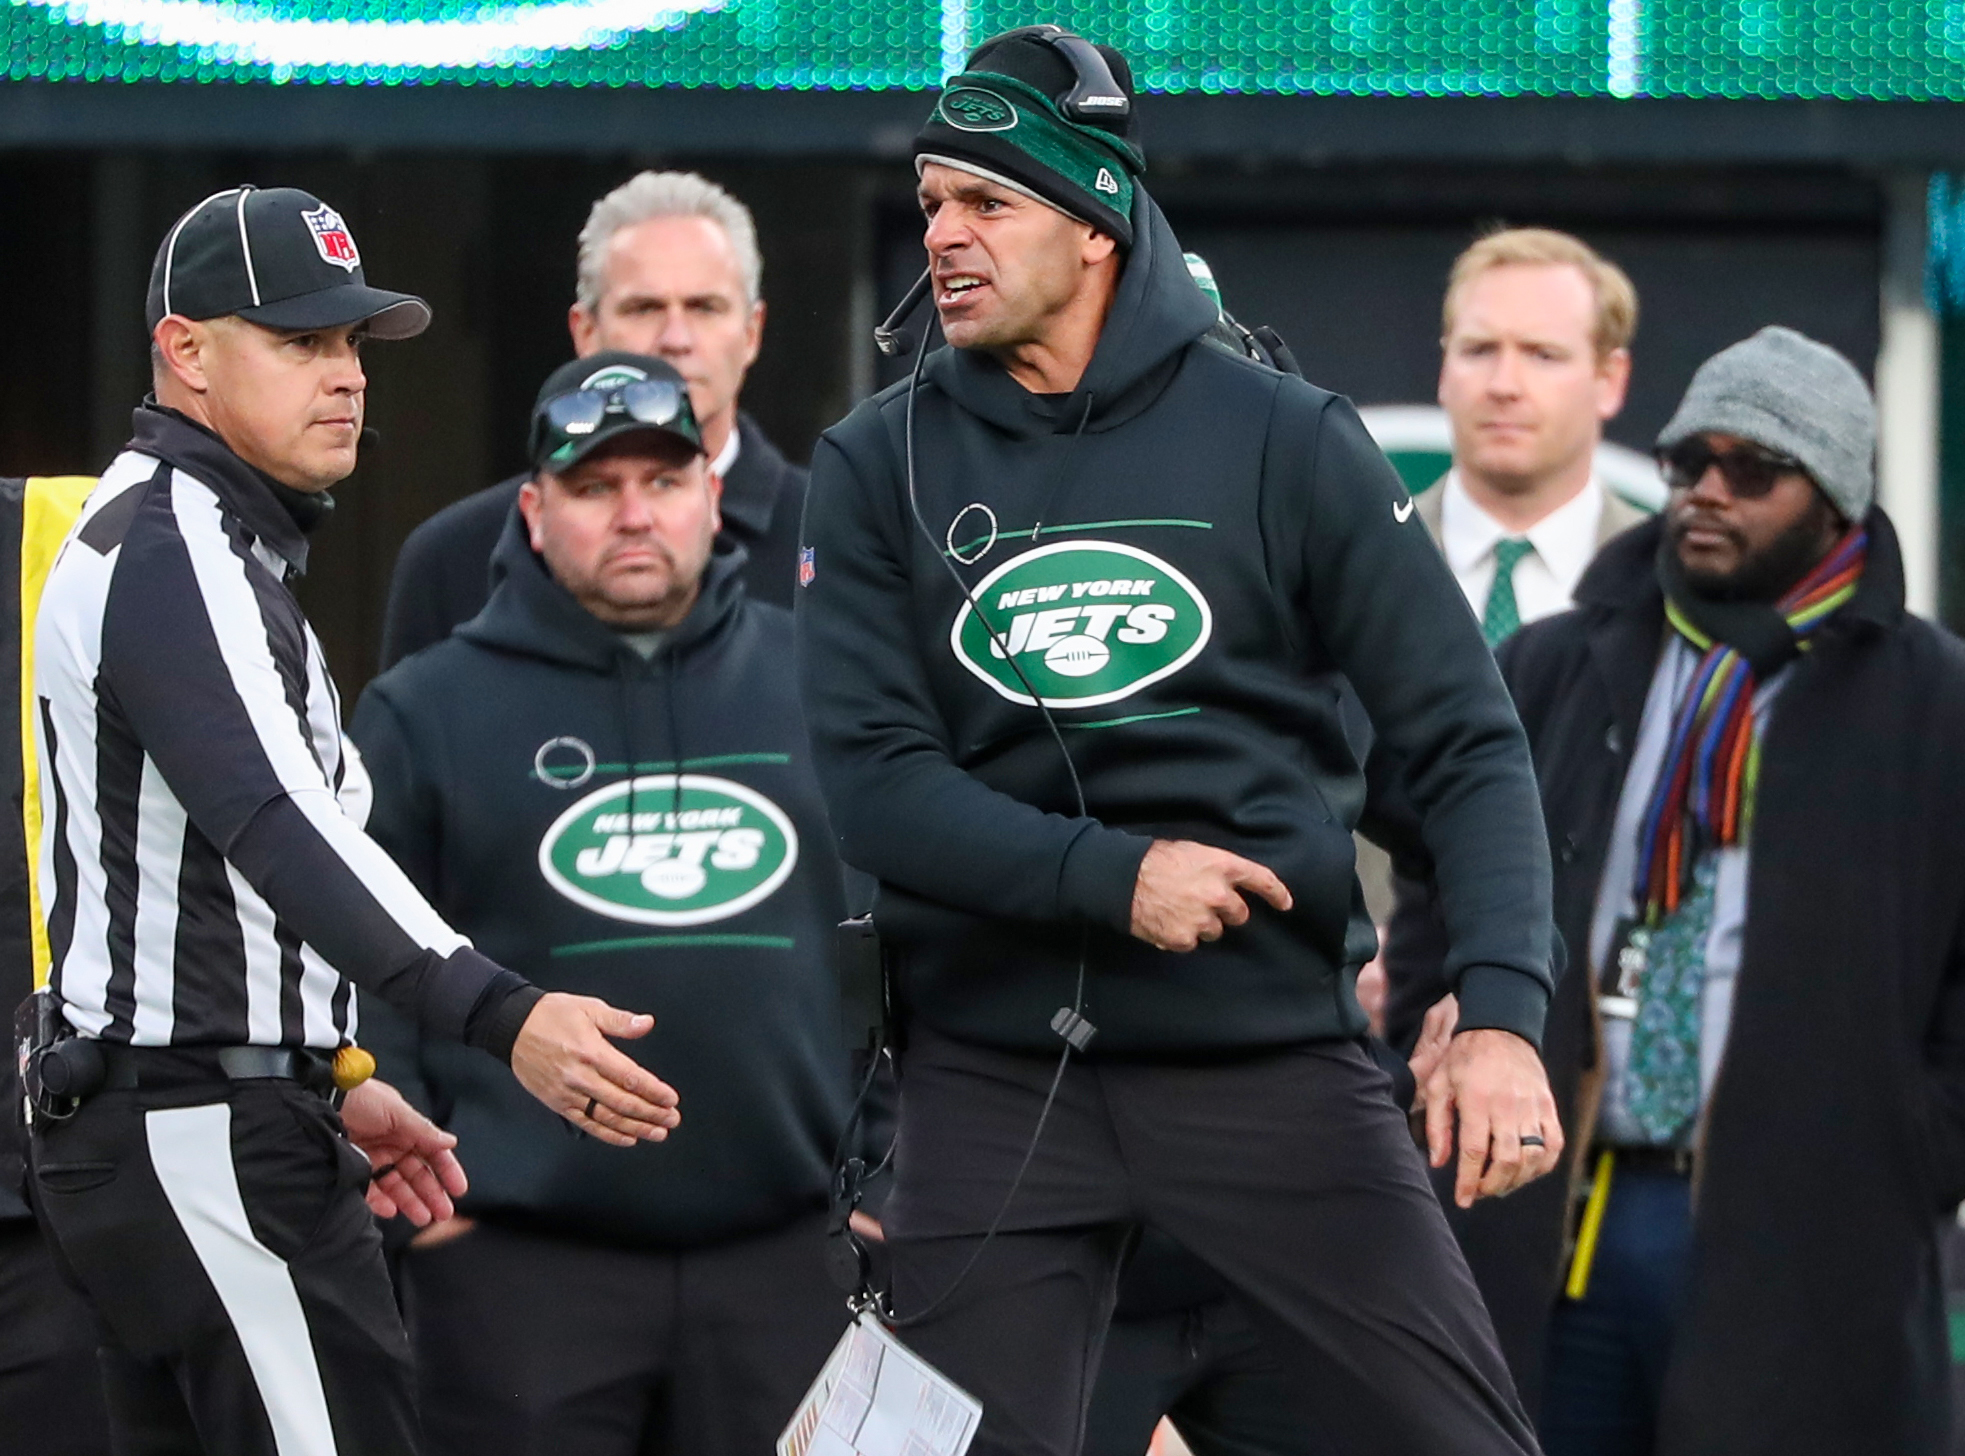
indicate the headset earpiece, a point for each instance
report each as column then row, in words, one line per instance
column 1096, row 97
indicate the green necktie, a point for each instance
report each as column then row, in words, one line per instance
column 1661, row 1080
column 1503, row 617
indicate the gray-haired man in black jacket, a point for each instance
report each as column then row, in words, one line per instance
column 669, row 266
column 1081, row 603
column 604, row 774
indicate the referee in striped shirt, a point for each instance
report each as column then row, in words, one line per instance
column 210, row 895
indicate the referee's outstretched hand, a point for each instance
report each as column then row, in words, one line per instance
column 562, row 1057
column 1187, row 893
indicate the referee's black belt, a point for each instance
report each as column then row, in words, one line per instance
column 139, row 1068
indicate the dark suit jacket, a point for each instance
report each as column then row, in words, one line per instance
column 443, row 574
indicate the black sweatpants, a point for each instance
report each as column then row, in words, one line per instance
column 531, row 1345
column 221, row 1235
column 1291, row 1174
column 50, row 1384
column 1179, row 1346
column 1206, row 1369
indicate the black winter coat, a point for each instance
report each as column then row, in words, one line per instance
column 1834, row 1139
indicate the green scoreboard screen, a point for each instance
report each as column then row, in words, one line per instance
column 1847, row 49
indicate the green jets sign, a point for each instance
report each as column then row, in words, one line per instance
column 706, row 852
column 1880, row 50
column 1086, row 622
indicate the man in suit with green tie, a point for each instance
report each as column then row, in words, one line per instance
column 1535, row 357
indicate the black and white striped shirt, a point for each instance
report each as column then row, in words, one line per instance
column 205, row 875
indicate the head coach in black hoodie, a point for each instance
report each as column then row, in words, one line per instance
column 1079, row 606
column 604, row 774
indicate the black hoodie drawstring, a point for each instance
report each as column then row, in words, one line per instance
column 675, row 729
column 625, row 680
column 1064, row 473
column 625, row 677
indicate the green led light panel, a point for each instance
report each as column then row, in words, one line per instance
column 1847, row 49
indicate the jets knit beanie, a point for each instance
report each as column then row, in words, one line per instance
column 1000, row 119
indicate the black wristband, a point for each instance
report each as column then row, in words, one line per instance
column 495, row 1021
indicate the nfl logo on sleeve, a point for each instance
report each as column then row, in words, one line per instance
column 331, row 236
column 808, row 565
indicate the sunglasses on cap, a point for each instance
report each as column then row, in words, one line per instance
column 566, row 420
column 649, row 401
column 1749, row 471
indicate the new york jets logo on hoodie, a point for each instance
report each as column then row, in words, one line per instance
column 1080, row 623
column 670, row 853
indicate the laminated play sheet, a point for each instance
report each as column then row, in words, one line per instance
column 876, row 1397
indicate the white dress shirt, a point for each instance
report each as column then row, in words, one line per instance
column 1545, row 579
column 727, row 457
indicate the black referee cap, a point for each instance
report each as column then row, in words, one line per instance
column 275, row 256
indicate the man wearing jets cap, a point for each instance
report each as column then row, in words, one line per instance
column 1081, row 599
column 205, row 1150
column 604, row 777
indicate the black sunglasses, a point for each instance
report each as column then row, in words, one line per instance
column 1749, row 472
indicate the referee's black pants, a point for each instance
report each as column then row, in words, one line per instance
column 1291, row 1174
column 220, row 1233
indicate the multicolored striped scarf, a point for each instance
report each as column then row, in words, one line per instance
column 1704, row 796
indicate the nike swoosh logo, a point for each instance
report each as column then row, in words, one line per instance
column 1403, row 513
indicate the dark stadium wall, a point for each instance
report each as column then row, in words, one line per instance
column 44, row 321
column 1353, row 277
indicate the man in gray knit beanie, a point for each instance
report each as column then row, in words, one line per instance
column 1784, row 391
column 1789, row 427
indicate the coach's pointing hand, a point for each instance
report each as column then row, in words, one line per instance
column 1188, row 893
column 563, row 1058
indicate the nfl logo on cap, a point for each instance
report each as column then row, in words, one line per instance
column 332, row 237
